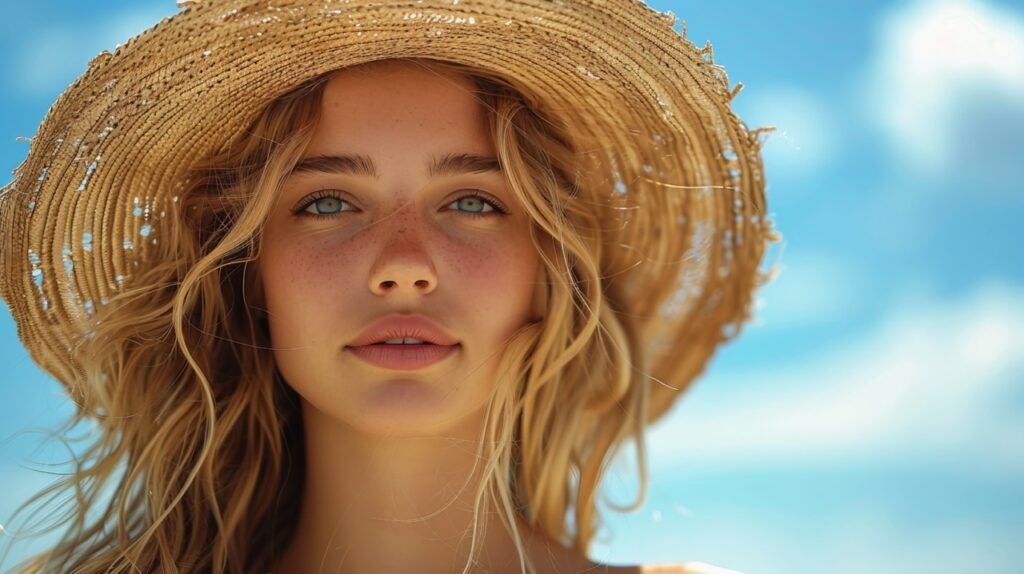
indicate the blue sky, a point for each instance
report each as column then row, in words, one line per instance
column 871, row 418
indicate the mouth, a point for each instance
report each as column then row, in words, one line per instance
column 405, row 356
column 403, row 343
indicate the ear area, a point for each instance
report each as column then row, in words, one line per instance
column 545, row 245
column 541, row 294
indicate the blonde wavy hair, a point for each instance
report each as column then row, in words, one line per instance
column 198, row 440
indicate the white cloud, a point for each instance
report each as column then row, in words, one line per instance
column 946, row 85
column 928, row 384
column 49, row 58
column 867, row 538
column 876, row 540
column 811, row 288
column 805, row 137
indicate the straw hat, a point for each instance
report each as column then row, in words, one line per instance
column 677, row 174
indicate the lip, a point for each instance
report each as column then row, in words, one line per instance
column 369, row 346
column 403, row 357
column 403, row 326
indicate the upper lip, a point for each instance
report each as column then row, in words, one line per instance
column 403, row 326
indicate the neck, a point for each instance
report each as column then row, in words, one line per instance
column 399, row 504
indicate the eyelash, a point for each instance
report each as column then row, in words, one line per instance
column 499, row 209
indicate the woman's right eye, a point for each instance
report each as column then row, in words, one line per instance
column 323, row 204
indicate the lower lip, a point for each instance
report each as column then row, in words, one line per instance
column 403, row 357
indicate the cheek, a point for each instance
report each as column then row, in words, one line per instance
column 305, row 282
column 494, row 278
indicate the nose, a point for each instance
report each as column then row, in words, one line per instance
column 403, row 278
column 403, row 267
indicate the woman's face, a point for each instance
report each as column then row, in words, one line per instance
column 392, row 234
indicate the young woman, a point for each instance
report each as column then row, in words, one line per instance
column 351, row 287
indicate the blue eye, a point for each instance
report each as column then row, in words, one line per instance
column 323, row 203
column 326, row 204
column 476, row 205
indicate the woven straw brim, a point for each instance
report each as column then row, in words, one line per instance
column 675, row 169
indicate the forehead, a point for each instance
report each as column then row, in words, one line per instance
column 399, row 98
column 386, row 116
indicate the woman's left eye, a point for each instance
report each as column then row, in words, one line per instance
column 478, row 206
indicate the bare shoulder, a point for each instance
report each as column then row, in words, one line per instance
column 683, row 568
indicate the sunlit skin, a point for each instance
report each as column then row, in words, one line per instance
column 384, row 445
column 342, row 250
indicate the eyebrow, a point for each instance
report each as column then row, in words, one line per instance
column 448, row 164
